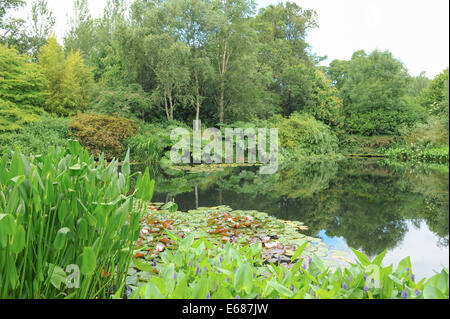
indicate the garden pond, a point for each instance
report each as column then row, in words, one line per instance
column 370, row 205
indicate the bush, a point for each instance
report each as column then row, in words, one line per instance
column 64, row 209
column 103, row 133
column 127, row 102
column 37, row 137
column 357, row 144
column 304, row 136
column 439, row 155
column 147, row 148
column 381, row 122
column 433, row 132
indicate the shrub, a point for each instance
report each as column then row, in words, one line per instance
column 433, row 132
column 63, row 209
column 358, row 144
column 127, row 102
column 382, row 122
column 439, row 155
column 304, row 136
column 147, row 148
column 103, row 133
column 37, row 137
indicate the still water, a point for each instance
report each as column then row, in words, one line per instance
column 369, row 205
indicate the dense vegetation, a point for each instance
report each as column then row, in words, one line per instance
column 123, row 81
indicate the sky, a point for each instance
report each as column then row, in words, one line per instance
column 419, row 243
column 415, row 31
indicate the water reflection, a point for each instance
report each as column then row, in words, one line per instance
column 367, row 205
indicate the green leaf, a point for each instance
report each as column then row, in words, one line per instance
column 170, row 206
column 19, row 240
column 88, row 261
column 187, row 242
column 379, row 259
column 200, row 289
column 142, row 265
column 243, row 278
column 299, row 251
column 57, row 277
column 361, row 257
column 317, row 263
column 61, row 238
column 281, row 289
column 431, row 292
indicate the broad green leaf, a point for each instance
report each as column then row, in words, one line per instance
column 89, row 261
column 431, row 292
column 282, row 290
column 243, row 278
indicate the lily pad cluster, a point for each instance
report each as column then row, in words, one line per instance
column 219, row 225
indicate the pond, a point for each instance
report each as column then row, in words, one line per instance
column 369, row 205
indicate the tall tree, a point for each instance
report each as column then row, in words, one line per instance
column 42, row 25
column 233, row 42
column 192, row 25
column 373, row 88
column 12, row 30
column 81, row 32
column 69, row 80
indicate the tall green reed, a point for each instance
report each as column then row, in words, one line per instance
column 64, row 212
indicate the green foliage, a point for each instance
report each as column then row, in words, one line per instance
column 305, row 89
column 359, row 144
column 93, row 224
column 433, row 132
column 303, row 136
column 128, row 102
column 381, row 122
column 436, row 93
column 438, row 155
column 37, row 137
column 200, row 270
column 147, row 148
column 21, row 90
column 69, row 80
column 103, row 133
column 373, row 89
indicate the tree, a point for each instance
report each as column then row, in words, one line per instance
column 231, row 46
column 282, row 31
column 373, row 89
column 418, row 84
column 436, row 93
column 69, row 80
column 171, row 71
column 22, row 86
column 305, row 89
column 192, row 25
column 42, row 25
column 11, row 29
column 80, row 35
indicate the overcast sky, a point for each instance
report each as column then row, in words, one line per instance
column 415, row 31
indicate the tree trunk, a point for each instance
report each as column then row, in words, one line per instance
column 223, row 70
column 166, row 107
column 171, row 106
column 197, row 102
column 221, row 101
